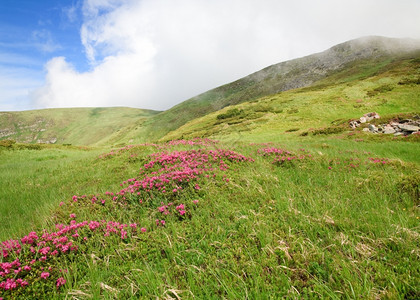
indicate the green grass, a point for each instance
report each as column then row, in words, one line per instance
column 32, row 181
column 297, row 230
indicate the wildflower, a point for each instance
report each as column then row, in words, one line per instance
column 182, row 212
column 60, row 281
column 72, row 216
column 45, row 275
column 195, row 201
column 143, row 229
column 61, row 203
column 74, row 198
column 44, row 251
column 180, row 207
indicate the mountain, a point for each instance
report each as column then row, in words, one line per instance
column 80, row 126
column 352, row 60
column 273, row 95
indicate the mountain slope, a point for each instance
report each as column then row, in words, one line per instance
column 81, row 126
column 393, row 90
column 351, row 60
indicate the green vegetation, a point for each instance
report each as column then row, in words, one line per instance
column 284, row 201
column 78, row 126
column 325, row 218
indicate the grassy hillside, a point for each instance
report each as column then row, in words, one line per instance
column 350, row 61
column 80, row 126
column 389, row 88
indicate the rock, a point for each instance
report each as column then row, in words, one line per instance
column 389, row 129
column 372, row 128
column 398, row 133
column 354, row 124
column 409, row 128
column 362, row 120
column 372, row 115
column 366, row 129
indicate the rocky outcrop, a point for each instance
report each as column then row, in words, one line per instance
column 395, row 127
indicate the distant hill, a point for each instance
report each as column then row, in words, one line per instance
column 80, row 126
column 350, row 71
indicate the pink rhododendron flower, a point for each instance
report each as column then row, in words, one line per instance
column 45, row 275
column 60, row 281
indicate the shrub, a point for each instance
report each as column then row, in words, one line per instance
column 7, row 143
column 411, row 186
column 230, row 113
column 292, row 129
column 381, row 89
column 328, row 130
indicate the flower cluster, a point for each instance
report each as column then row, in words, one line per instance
column 171, row 172
column 34, row 258
column 31, row 256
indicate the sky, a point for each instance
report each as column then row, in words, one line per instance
column 154, row 54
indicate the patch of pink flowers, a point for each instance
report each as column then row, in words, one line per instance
column 32, row 254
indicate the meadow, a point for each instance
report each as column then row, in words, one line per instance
column 253, row 190
column 323, row 217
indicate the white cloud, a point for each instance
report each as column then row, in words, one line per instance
column 156, row 53
column 44, row 42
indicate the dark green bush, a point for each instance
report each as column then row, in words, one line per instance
column 328, row 130
column 381, row 89
column 411, row 186
column 230, row 113
column 7, row 143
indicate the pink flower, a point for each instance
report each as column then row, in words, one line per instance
column 143, row 229
column 45, row 275
column 61, row 203
column 44, row 251
column 74, row 198
column 182, row 212
column 195, row 201
column 60, row 281
column 180, row 207
column 27, row 268
column 72, row 216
